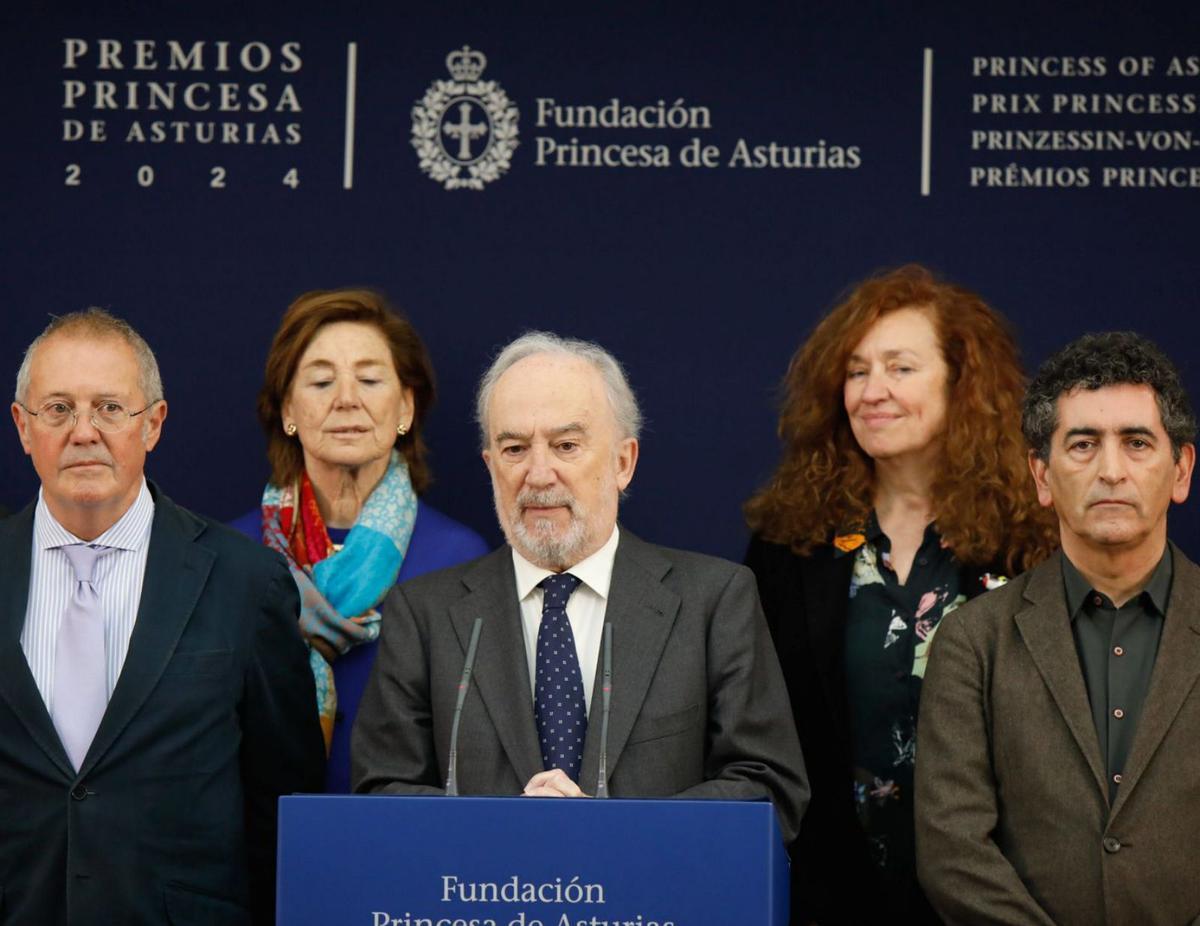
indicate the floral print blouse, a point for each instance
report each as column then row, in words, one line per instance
column 889, row 629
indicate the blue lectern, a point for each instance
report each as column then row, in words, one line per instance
column 473, row 861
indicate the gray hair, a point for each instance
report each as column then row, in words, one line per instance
column 620, row 397
column 1094, row 361
column 97, row 323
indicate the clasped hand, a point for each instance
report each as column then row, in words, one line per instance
column 553, row 782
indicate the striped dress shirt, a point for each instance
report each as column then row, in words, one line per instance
column 118, row 581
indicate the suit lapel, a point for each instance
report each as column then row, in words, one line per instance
column 1045, row 627
column 1176, row 671
column 17, row 685
column 176, row 571
column 501, row 673
column 642, row 612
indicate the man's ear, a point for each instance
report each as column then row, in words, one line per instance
column 1183, row 473
column 22, row 422
column 627, row 457
column 153, row 425
column 1038, row 467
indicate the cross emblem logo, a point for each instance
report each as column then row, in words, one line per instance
column 465, row 129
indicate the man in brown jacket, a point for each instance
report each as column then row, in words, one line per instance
column 1058, row 757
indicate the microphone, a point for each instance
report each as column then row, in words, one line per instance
column 605, row 699
column 463, row 684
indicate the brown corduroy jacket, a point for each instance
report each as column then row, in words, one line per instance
column 1013, row 817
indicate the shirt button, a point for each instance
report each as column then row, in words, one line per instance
column 1117, row 778
column 1118, row 713
column 1097, row 600
column 922, row 561
column 1111, row 844
column 1118, row 651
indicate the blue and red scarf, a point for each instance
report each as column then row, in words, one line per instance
column 340, row 589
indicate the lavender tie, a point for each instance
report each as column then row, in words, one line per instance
column 80, row 684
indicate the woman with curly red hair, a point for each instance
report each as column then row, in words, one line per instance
column 903, row 491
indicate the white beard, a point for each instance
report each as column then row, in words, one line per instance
column 544, row 544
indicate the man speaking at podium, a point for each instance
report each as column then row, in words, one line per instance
column 698, row 706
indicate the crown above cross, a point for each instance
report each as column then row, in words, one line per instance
column 466, row 65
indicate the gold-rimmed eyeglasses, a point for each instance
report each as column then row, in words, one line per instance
column 107, row 416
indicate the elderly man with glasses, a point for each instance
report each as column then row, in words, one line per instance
column 155, row 698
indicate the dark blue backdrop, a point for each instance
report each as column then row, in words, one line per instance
column 702, row 280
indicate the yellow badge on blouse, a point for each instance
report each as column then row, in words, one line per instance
column 848, row 542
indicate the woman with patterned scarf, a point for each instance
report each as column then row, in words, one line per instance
column 347, row 386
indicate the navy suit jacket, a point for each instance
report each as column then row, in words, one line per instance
column 172, row 816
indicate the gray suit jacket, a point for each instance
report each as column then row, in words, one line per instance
column 699, row 707
column 1013, row 818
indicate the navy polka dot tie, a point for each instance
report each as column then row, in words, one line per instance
column 558, row 690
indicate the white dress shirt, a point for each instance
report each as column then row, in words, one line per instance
column 585, row 610
column 118, row 581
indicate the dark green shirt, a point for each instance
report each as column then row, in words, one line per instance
column 1117, row 648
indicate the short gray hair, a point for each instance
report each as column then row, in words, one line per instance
column 97, row 323
column 620, row 397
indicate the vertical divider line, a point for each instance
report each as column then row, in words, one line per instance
column 927, row 122
column 351, row 87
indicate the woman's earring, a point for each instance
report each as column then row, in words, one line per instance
column 290, row 429
column 401, row 429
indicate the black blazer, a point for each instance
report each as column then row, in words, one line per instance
column 806, row 599
column 172, row 817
